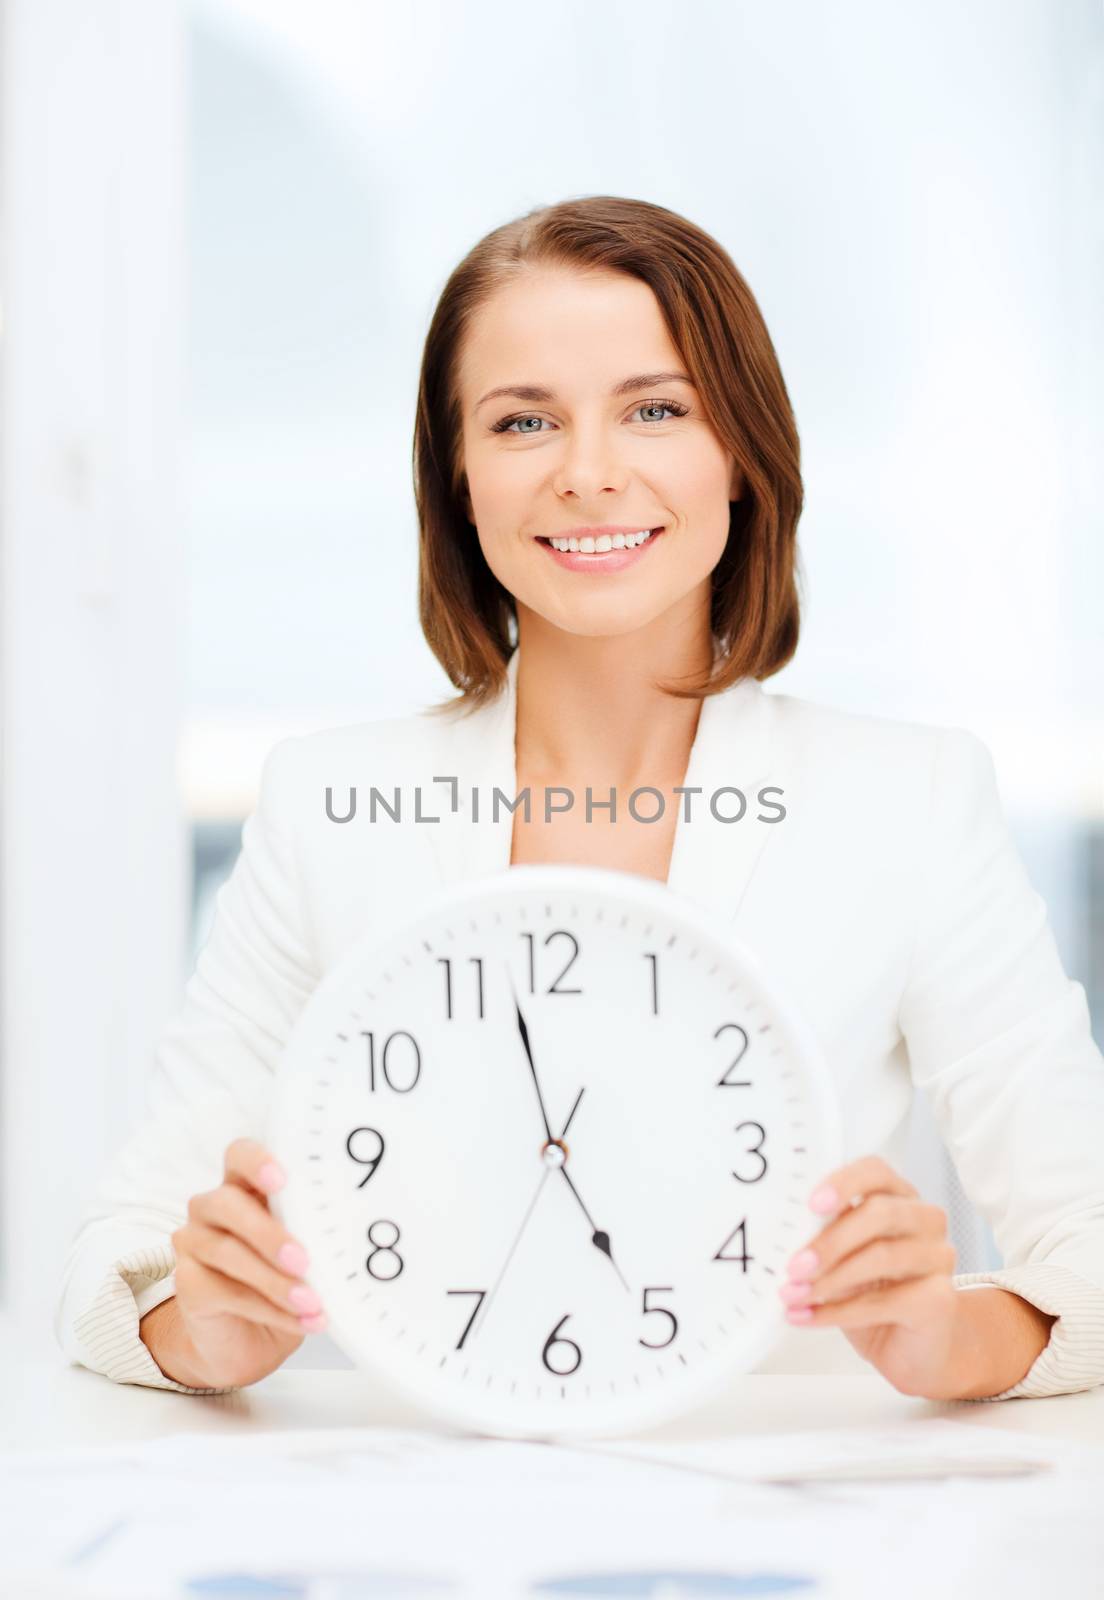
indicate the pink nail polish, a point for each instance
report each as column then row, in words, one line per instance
column 803, row 1265
column 304, row 1299
column 799, row 1314
column 270, row 1177
column 313, row 1324
column 293, row 1258
column 795, row 1294
column 825, row 1199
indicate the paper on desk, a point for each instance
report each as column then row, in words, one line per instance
column 924, row 1447
column 341, row 1513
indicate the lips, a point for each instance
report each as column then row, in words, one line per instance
column 608, row 561
column 597, row 533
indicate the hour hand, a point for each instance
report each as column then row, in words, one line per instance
column 598, row 1237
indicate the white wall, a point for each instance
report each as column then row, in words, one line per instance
column 914, row 194
column 93, row 866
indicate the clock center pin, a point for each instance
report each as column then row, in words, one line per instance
column 554, row 1153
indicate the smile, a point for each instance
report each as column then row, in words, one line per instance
column 606, row 554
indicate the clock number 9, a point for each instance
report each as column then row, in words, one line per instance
column 371, row 1162
column 399, row 1088
column 724, row 1081
column 756, row 1150
column 554, row 1338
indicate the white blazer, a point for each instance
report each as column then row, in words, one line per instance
column 889, row 903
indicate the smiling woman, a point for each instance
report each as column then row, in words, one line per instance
column 656, row 395
column 608, row 486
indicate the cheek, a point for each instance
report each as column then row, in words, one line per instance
column 692, row 482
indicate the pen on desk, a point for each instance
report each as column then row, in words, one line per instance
column 931, row 1467
column 900, row 1471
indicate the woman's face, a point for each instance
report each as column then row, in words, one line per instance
column 603, row 444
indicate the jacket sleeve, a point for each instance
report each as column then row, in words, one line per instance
column 211, row 1080
column 1000, row 1039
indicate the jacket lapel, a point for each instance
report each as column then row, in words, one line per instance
column 712, row 860
column 478, row 751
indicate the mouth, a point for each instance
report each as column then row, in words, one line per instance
column 615, row 559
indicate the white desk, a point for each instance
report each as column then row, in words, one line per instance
column 46, row 1403
column 951, row 1537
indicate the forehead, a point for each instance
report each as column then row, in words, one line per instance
column 565, row 329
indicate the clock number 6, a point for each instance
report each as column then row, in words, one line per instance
column 659, row 1311
column 554, row 1338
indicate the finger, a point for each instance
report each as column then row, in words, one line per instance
column 205, row 1292
column 880, row 1215
column 851, row 1184
column 882, row 1261
column 249, row 1163
column 228, row 1254
column 915, row 1303
column 246, row 1214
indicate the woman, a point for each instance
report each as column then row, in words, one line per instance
column 608, row 489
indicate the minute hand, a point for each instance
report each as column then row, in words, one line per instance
column 524, row 1031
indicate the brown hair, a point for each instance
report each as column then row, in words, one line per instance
column 714, row 322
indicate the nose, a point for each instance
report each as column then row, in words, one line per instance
column 589, row 465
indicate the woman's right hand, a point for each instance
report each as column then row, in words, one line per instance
column 239, row 1309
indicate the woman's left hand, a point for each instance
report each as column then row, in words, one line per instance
column 881, row 1266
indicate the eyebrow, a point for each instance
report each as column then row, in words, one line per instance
column 536, row 392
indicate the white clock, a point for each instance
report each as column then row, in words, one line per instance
column 549, row 1147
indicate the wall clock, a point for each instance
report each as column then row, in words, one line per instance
column 549, row 1146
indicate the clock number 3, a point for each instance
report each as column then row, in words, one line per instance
column 755, row 1150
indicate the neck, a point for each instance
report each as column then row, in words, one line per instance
column 589, row 711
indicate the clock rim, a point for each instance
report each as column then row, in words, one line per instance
column 631, row 1414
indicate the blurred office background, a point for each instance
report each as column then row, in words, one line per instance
column 224, row 226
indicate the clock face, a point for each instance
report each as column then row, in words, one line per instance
column 549, row 1147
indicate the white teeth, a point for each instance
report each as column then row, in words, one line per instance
column 618, row 541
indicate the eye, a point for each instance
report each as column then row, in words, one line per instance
column 506, row 425
column 663, row 405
